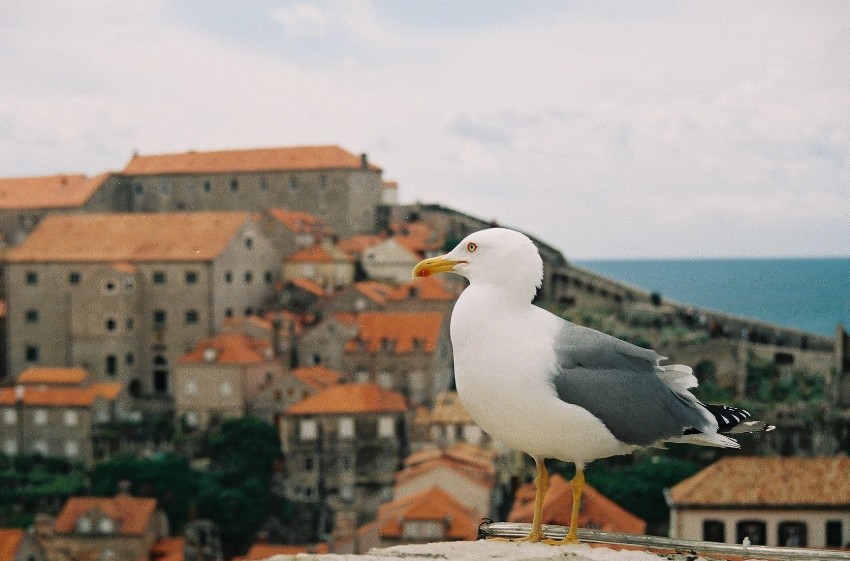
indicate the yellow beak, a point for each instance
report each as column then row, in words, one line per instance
column 434, row 265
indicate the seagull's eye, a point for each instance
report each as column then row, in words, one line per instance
column 471, row 247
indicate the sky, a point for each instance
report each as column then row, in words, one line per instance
column 607, row 129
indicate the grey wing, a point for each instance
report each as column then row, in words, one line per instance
column 618, row 383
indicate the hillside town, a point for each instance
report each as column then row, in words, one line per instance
column 247, row 320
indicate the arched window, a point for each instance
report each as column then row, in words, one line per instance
column 755, row 530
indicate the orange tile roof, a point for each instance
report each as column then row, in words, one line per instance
column 477, row 467
column 376, row 291
column 429, row 505
column 317, row 377
column 597, row 511
column 266, row 550
column 230, row 348
column 10, row 541
column 169, row 549
column 447, row 409
column 47, row 396
column 300, row 222
column 178, row 236
column 771, row 482
column 49, row 191
column 319, row 253
column 403, row 329
column 132, row 515
column 350, row 399
column 355, row 245
column 52, row 375
column 298, row 158
column 309, row 286
column 423, row 288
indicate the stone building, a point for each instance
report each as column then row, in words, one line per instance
column 57, row 412
column 343, row 446
column 340, row 188
column 293, row 230
column 323, row 263
column 802, row 502
column 125, row 295
column 121, row 528
column 221, row 377
column 408, row 352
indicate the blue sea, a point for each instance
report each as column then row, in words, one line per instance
column 812, row 294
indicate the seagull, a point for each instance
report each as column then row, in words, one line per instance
column 554, row 389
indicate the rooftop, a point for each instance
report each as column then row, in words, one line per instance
column 404, row 331
column 430, row 505
column 300, row 222
column 132, row 515
column 771, row 482
column 319, row 253
column 317, row 377
column 52, row 375
column 297, row 158
column 350, row 399
column 229, row 348
column 597, row 510
column 10, row 541
column 48, row 191
column 132, row 237
column 61, row 396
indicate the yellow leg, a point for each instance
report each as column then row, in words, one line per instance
column 542, row 483
column 577, row 485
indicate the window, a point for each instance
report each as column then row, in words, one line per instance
column 386, row 427
column 129, row 284
column 834, row 533
column 191, row 388
column 129, row 359
column 158, row 318
column 137, row 188
column 226, row 389
column 160, row 381
column 234, row 184
column 106, row 526
column 83, row 525
column 10, row 416
column 346, row 427
column 73, row 277
column 264, row 184
column 308, row 429
column 31, row 353
column 109, row 287
column 39, row 416
column 293, row 183
column 228, row 277
column 308, row 463
column 191, row 317
column 792, row 534
column 158, row 277
column 249, row 276
column 72, row 448
column 249, row 243
column 32, row 315
column 110, row 324
column 207, row 186
column 323, row 181
column 755, row 530
column 71, row 418
column 713, row 531
column 228, row 313
column 268, row 277
column 10, row 447
column 111, row 365
column 191, row 277
column 32, row 278
column 129, row 324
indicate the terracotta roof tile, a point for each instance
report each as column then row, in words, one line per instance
column 266, row 550
column 317, row 377
column 308, row 286
column 430, row 505
column 228, row 348
column 299, row 158
column 52, row 375
column 178, row 236
column 376, row 291
column 479, row 469
column 355, row 245
column 132, row 515
column 10, row 541
column 319, row 253
column 300, row 222
column 405, row 331
column 350, row 399
column 49, row 191
column 777, row 481
column 423, row 288
column 61, row 396
column 597, row 510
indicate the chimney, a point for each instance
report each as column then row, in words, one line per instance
column 364, row 160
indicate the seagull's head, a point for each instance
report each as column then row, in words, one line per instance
column 496, row 256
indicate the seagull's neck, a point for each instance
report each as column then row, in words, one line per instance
column 494, row 297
